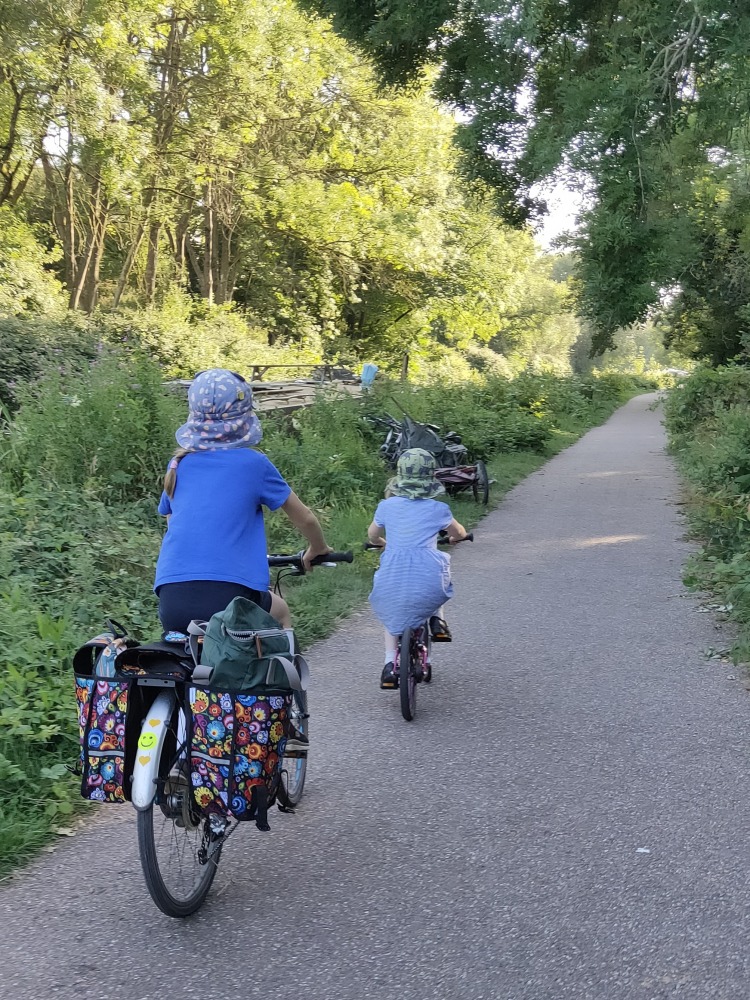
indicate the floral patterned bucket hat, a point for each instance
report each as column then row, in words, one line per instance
column 221, row 413
column 415, row 476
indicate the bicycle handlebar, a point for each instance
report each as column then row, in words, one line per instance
column 441, row 541
column 296, row 559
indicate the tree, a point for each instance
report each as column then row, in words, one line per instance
column 244, row 154
column 640, row 97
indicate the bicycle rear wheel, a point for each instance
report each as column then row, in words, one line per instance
column 295, row 768
column 179, row 848
column 407, row 680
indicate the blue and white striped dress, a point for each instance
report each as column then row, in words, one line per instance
column 414, row 578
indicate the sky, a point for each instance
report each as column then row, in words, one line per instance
column 564, row 205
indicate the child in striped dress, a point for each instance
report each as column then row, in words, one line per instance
column 413, row 580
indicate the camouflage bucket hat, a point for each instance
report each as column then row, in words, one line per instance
column 415, row 476
column 221, row 413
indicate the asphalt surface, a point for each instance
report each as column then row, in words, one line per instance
column 566, row 819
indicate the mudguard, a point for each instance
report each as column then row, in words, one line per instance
column 150, row 745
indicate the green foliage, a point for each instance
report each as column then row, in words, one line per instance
column 333, row 217
column 708, row 420
column 67, row 561
column 645, row 100
column 700, row 399
column 185, row 336
column 31, row 347
column 26, row 285
column 637, row 351
column 709, row 317
column 110, row 435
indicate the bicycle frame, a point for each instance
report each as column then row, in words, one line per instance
column 420, row 637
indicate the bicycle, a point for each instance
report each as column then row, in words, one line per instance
column 412, row 664
column 449, row 451
column 180, row 847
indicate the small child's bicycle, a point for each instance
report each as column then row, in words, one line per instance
column 412, row 664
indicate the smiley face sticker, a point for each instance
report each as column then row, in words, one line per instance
column 147, row 741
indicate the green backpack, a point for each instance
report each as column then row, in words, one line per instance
column 245, row 650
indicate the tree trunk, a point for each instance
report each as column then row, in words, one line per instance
column 8, row 172
column 223, row 289
column 200, row 272
column 70, row 243
column 90, row 295
column 127, row 267
column 87, row 266
column 152, row 261
column 209, row 262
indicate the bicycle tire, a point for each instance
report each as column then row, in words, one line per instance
column 407, row 683
column 295, row 768
column 170, row 835
column 481, row 485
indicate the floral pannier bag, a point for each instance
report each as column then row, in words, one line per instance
column 239, row 704
column 112, row 706
column 103, row 699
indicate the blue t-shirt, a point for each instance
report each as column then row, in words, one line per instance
column 216, row 531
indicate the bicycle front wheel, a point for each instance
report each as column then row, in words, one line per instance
column 179, row 848
column 295, row 768
column 407, row 678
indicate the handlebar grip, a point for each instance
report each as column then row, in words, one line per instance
column 333, row 557
column 443, row 540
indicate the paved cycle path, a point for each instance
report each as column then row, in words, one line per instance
column 565, row 820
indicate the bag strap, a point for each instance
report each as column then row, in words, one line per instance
column 196, row 631
column 116, row 628
column 297, row 671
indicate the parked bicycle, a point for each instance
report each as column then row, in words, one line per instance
column 413, row 665
column 180, row 839
column 454, row 470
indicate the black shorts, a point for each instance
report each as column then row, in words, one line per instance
column 197, row 600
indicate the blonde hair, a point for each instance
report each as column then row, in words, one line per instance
column 170, row 479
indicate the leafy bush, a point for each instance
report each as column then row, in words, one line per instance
column 705, row 394
column 26, row 284
column 185, row 336
column 325, row 449
column 67, row 561
column 708, row 421
column 109, row 429
column 32, row 347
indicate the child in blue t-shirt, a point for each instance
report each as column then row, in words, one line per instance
column 214, row 491
column 413, row 580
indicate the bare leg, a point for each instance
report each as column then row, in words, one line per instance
column 388, row 677
column 391, row 644
column 280, row 611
